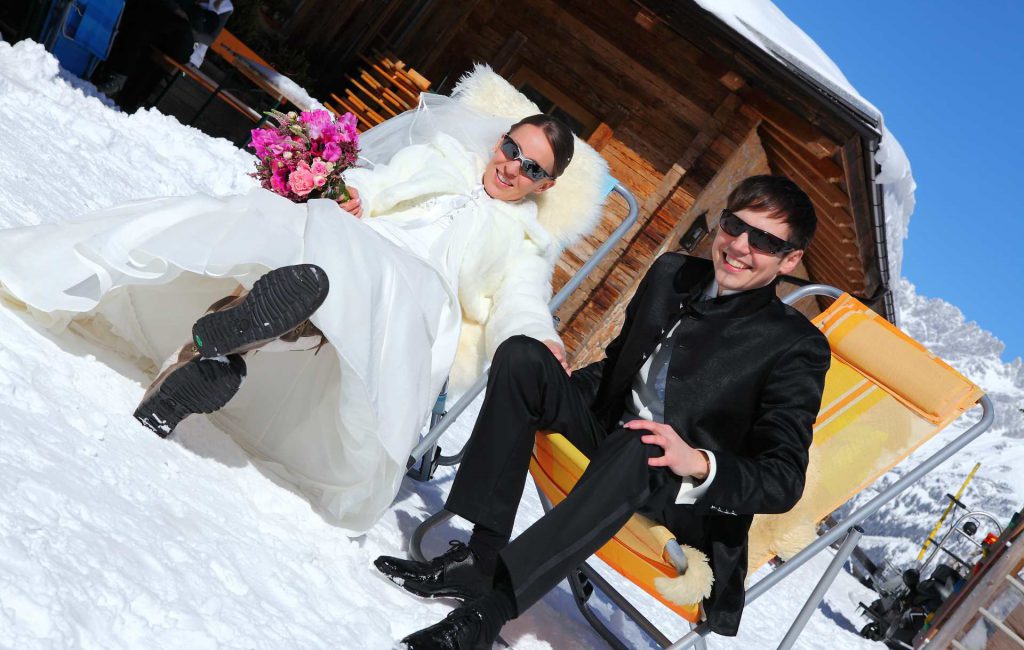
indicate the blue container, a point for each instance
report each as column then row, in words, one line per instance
column 81, row 32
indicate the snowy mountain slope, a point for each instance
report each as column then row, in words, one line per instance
column 113, row 538
column 998, row 487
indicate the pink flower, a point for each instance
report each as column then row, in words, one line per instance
column 347, row 126
column 321, row 168
column 317, row 122
column 305, row 153
column 279, row 183
column 332, row 151
column 301, row 180
column 267, row 141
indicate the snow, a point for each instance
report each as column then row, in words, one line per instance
column 111, row 537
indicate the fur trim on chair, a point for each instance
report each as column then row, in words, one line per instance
column 691, row 587
column 574, row 205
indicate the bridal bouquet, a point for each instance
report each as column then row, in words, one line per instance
column 305, row 155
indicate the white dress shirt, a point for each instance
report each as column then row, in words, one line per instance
column 691, row 488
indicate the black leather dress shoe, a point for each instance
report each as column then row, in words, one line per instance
column 462, row 629
column 454, row 574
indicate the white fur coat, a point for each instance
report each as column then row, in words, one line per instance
column 504, row 280
column 503, row 270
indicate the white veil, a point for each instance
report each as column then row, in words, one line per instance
column 475, row 130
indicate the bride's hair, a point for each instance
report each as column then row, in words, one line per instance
column 559, row 137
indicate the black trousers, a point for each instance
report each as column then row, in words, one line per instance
column 528, row 390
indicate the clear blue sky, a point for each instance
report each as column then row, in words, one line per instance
column 949, row 77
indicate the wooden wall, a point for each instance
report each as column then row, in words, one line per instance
column 672, row 113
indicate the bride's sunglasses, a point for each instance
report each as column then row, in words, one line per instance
column 759, row 239
column 527, row 166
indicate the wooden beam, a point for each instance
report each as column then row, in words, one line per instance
column 814, row 185
column 785, row 120
column 856, row 167
column 726, row 75
column 823, row 167
column 503, row 62
column 708, row 132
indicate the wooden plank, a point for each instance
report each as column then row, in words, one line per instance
column 785, row 120
column 386, row 77
column 349, row 108
column 382, row 91
column 372, row 97
column 600, row 137
column 808, row 182
column 227, row 45
column 857, row 170
column 709, row 131
column 371, row 115
column 823, row 167
column 207, row 83
column 507, row 56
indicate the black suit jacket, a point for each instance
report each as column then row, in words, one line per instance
column 744, row 381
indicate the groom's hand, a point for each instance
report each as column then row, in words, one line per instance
column 679, row 457
column 354, row 205
column 556, row 349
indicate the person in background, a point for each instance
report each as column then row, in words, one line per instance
column 181, row 29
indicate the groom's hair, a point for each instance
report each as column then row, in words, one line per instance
column 782, row 199
column 559, row 137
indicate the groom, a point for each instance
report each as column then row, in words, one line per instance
column 699, row 416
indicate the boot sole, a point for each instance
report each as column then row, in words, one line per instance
column 279, row 301
column 197, row 387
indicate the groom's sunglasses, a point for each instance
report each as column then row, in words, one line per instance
column 527, row 166
column 759, row 239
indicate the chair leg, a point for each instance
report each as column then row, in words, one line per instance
column 416, row 541
column 580, row 596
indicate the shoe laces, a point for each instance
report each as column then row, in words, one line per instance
column 457, row 551
column 468, row 622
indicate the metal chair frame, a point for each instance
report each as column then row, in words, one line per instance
column 848, row 531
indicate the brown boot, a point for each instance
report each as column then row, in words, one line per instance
column 280, row 302
column 190, row 384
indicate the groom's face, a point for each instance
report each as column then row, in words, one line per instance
column 504, row 178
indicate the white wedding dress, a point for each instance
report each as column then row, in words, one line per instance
column 338, row 424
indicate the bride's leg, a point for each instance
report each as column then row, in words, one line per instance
column 182, row 387
column 303, row 338
column 279, row 303
column 189, row 384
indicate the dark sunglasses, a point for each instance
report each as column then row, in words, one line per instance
column 759, row 239
column 527, row 166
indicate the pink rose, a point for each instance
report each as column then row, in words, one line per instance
column 321, row 168
column 301, row 180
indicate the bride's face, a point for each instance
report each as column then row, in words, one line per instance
column 504, row 178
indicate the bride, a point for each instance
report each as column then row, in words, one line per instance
column 440, row 256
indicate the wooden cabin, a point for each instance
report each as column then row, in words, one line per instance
column 680, row 105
